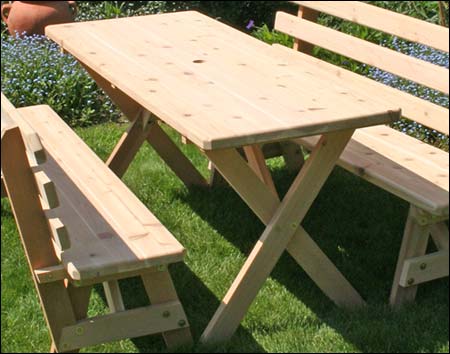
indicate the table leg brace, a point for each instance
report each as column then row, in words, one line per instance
column 283, row 231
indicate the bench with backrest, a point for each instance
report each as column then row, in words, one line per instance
column 81, row 226
column 403, row 165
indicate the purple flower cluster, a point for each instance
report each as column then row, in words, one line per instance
column 427, row 54
column 34, row 71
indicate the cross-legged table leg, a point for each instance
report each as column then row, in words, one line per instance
column 144, row 127
column 257, row 162
column 283, row 232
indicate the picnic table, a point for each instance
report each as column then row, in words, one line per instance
column 223, row 90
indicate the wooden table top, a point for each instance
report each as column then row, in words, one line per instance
column 215, row 85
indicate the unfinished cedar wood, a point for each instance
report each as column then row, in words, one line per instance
column 92, row 229
column 402, row 165
column 283, row 231
column 238, row 93
column 256, row 102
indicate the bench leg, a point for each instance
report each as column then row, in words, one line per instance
column 414, row 244
column 34, row 231
column 113, row 296
column 439, row 233
column 160, row 289
column 80, row 302
column 293, row 156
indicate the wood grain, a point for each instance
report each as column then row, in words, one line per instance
column 122, row 235
column 229, row 91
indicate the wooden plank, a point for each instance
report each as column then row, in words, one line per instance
column 60, row 234
column 383, row 58
column 129, row 145
column 22, row 189
column 302, row 248
column 113, row 276
column 402, row 165
column 122, row 325
column 34, row 230
column 47, row 189
column 293, row 155
column 113, row 296
column 80, row 300
column 174, row 158
column 120, row 232
column 160, row 289
column 439, row 233
column 414, row 108
column 281, row 229
column 50, row 274
column 310, row 15
column 414, row 244
column 235, row 75
column 422, row 269
column 257, row 162
column 397, row 24
column 10, row 114
column 80, row 297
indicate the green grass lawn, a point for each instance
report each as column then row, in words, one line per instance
column 358, row 225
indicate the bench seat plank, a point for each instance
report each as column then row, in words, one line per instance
column 405, row 166
column 115, row 232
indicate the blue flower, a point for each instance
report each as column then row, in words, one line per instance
column 250, row 25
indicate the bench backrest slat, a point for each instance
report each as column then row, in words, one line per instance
column 413, row 108
column 390, row 22
column 306, row 31
column 385, row 59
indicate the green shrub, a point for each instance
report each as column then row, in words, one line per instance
column 34, row 71
column 235, row 13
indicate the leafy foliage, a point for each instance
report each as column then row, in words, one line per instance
column 34, row 71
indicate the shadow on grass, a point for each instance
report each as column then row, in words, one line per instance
column 199, row 305
column 359, row 227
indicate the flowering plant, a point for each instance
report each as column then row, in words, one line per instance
column 34, row 71
column 427, row 54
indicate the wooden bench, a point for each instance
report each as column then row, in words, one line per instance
column 400, row 164
column 81, row 226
